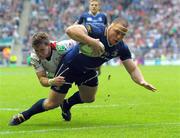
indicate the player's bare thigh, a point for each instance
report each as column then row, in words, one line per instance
column 54, row 100
column 87, row 93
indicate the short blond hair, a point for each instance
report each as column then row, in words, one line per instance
column 94, row 0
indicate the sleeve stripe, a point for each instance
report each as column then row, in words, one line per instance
column 53, row 45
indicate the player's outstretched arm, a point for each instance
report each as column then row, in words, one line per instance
column 136, row 74
column 80, row 34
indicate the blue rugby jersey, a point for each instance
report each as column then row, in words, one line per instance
column 81, row 62
column 88, row 17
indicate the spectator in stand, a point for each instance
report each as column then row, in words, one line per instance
column 6, row 55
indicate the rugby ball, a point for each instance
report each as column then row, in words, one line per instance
column 88, row 51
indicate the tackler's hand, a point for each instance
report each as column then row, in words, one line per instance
column 57, row 81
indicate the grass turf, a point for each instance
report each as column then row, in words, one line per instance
column 122, row 108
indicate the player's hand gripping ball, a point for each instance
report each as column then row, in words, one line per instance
column 88, row 50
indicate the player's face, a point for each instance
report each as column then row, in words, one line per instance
column 116, row 33
column 43, row 51
column 94, row 7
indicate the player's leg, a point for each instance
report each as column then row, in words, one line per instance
column 53, row 101
column 86, row 94
column 66, row 114
column 87, row 89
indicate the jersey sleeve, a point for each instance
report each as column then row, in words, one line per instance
column 80, row 20
column 124, row 53
column 63, row 46
column 35, row 61
column 94, row 30
column 105, row 20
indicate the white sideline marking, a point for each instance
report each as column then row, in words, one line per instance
column 88, row 106
column 83, row 106
column 9, row 109
column 87, row 128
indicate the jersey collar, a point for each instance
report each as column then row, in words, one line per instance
column 93, row 14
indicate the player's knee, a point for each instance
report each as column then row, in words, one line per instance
column 50, row 104
column 88, row 100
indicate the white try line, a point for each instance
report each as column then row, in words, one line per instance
column 130, row 106
column 8, row 132
column 10, row 109
column 95, row 106
column 81, row 106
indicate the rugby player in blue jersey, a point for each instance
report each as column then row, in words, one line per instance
column 81, row 68
column 93, row 16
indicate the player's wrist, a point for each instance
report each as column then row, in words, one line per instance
column 90, row 41
column 51, row 82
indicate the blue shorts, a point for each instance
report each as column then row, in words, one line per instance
column 88, row 78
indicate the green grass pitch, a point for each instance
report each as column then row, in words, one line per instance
column 122, row 109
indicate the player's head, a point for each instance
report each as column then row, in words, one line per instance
column 94, row 6
column 117, row 30
column 40, row 43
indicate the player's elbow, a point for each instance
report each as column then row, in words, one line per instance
column 43, row 84
column 70, row 31
column 75, row 30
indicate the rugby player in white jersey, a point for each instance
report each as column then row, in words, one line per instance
column 45, row 58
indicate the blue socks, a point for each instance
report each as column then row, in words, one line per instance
column 74, row 99
column 35, row 109
column 38, row 106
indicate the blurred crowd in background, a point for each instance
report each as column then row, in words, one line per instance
column 153, row 31
column 10, row 12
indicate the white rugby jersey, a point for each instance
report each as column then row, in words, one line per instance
column 58, row 50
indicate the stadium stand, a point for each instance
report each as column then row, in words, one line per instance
column 10, row 12
column 154, row 24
